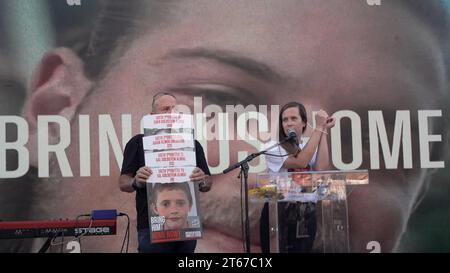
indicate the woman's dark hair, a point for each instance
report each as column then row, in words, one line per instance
column 288, row 146
column 158, row 187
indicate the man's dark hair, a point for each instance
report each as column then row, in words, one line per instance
column 119, row 22
column 117, row 25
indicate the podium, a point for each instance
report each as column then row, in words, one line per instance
column 307, row 210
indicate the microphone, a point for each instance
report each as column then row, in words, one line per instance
column 292, row 136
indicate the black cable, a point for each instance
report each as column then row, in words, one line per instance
column 127, row 233
column 242, row 212
column 62, row 245
column 76, row 226
column 126, row 236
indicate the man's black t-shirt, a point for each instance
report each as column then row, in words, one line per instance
column 133, row 159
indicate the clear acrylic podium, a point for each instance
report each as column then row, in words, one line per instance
column 322, row 194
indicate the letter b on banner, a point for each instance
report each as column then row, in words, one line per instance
column 18, row 145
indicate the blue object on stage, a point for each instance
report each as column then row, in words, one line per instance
column 106, row 214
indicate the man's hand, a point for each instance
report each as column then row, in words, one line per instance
column 128, row 183
column 204, row 180
column 197, row 175
column 143, row 174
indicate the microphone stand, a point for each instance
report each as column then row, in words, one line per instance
column 243, row 164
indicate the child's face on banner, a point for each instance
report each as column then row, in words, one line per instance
column 327, row 55
column 174, row 206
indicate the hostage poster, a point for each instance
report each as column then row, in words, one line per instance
column 172, row 197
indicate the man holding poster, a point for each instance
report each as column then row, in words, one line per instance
column 169, row 150
column 135, row 173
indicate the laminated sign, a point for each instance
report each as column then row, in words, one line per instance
column 169, row 150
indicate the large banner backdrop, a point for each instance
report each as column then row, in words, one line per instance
column 77, row 76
